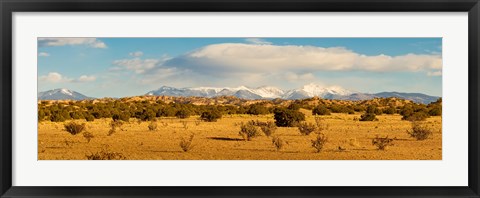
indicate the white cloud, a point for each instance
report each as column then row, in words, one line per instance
column 136, row 54
column 257, row 41
column 43, row 54
column 55, row 77
column 293, row 77
column 137, row 65
column 435, row 73
column 85, row 78
column 91, row 42
column 232, row 57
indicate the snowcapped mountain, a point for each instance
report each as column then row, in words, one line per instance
column 264, row 92
column 61, row 94
column 269, row 92
column 311, row 90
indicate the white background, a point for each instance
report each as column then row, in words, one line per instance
column 450, row 171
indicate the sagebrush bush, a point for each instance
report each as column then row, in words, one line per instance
column 114, row 124
column 319, row 142
column 321, row 125
column 419, row 131
column 306, row 128
column 88, row 136
column 74, row 128
column 278, row 143
column 186, row 144
column 382, row 142
column 106, row 154
column 152, row 126
column 248, row 131
column 268, row 128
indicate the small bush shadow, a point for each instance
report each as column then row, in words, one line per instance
column 225, row 139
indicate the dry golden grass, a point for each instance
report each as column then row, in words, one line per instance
column 347, row 140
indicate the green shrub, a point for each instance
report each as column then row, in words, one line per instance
column 74, row 128
column 320, row 110
column 287, row 117
column 257, row 109
column 390, row 110
column 89, row 118
column 182, row 114
column 121, row 116
column 368, row 117
column 435, row 110
column 211, row 116
column 416, row 116
column 55, row 117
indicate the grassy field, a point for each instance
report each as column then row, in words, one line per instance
column 348, row 139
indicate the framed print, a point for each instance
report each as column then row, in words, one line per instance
column 239, row 98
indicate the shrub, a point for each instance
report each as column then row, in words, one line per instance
column 152, row 126
column 390, row 110
column 319, row 142
column 268, row 128
column 382, row 143
column 186, row 144
column 88, row 136
column 74, row 128
column 278, row 143
column 320, row 125
column 41, row 115
column 287, row 117
column 211, row 116
column 89, row 118
column 306, row 128
column 121, row 116
column 419, row 131
column 184, row 124
column 368, row 117
column 320, row 110
column 417, row 116
column 113, row 126
column 182, row 114
column 248, row 131
column 257, row 109
column 435, row 111
column 106, row 154
column 57, row 118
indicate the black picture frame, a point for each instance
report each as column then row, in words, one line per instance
column 10, row 6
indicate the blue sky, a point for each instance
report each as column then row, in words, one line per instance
column 119, row 67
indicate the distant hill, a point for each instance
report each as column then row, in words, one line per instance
column 61, row 94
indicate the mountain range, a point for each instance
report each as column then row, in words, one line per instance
column 264, row 92
column 269, row 92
